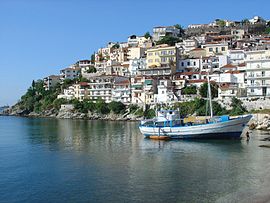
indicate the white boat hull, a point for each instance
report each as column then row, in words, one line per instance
column 227, row 129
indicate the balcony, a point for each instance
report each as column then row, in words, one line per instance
column 259, row 85
column 258, row 76
column 253, row 59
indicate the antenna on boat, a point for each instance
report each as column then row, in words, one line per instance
column 210, row 96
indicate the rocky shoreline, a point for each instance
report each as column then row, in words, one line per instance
column 72, row 114
column 260, row 122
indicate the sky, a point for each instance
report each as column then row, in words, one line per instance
column 40, row 37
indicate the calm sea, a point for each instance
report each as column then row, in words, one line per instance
column 50, row 160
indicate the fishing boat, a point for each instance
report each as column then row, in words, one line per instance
column 169, row 125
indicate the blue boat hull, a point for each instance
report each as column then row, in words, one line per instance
column 230, row 135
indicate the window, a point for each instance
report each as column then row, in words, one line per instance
column 252, row 90
column 252, row 82
column 182, row 63
column 194, row 63
column 188, row 63
column 150, row 61
column 156, row 60
column 216, row 49
column 163, row 59
column 222, row 48
column 263, row 82
column 156, row 53
column 263, row 73
column 211, row 49
column 150, row 54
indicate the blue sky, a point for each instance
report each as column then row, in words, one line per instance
column 39, row 37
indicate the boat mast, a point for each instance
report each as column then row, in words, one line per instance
column 210, row 96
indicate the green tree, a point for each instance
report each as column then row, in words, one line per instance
column 117, row 107
column 267, row 30
column 147, row 35
column 93, row 58
column 102, row 107
column 171, row 41
column 245, row 21
column 237, row 107
column 221, row 23
column 204, row 90
column 92, row 69
column 88, row 105
column 181, row 29
column 116, row 46
column 133, row 108
column 58, row 102
column 189, row 90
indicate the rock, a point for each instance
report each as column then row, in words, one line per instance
column 33, row 114
column 252, row 126
column 266, row 146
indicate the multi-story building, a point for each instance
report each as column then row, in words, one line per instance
column 70, row 73
column 119, row 55
column 165, row 92
column 158, row 71
column 76, row 91
column 162, row 31
column 137, row 90
column 103, row 54
column 121, row 90
column 186, row 46
column 236, row 56
column 189, row 64
column 231, row 84
column 161, row 55
column 139, row 41
column 100, row 87
column 215, row 48
column 258, row 73
column 51, row 81
column 208, row 64
column 135, row 65
column 84, row 65
column 135, row 53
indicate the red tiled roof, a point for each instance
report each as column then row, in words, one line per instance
column 233, row 72
column 84, row 84
column 242, row 65
column 197, row 81
column 197, row 49
column 229, row 66
column 192, row 73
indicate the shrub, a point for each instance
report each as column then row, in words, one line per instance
column 117, row 107
column 102, row 107
column 189, row 90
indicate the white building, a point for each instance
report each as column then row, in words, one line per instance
column 101, row 88
column 236, row 56
column 70, row 73
column 136, row 64
column 230, row 84
column 135, row 53
column 121, row 90
column 187, row 45
column 78, row 91
column 139, row 41
column 165, row 92
column 162, row 31
column 51, row 81
column 189, row 64
column 258, row 73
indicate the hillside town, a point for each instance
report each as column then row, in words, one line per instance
column 159, row 67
